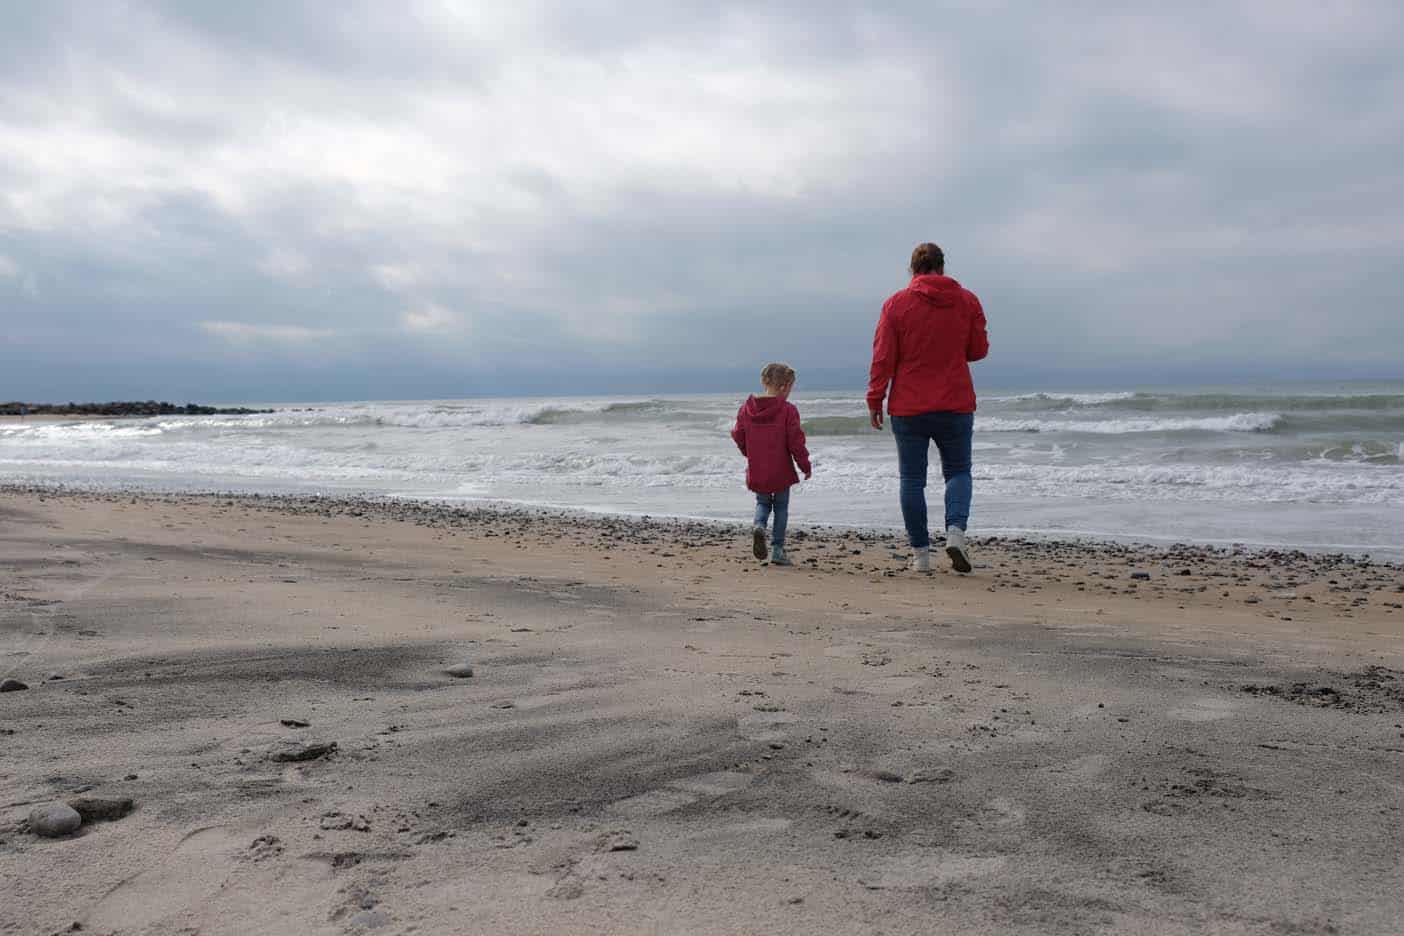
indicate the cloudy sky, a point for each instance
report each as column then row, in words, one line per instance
column 274, row 200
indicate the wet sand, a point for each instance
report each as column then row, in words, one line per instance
column 661, row 735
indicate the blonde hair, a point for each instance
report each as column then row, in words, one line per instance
column 777, row 375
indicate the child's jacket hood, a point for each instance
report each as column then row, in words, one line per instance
column 768, row 433
column 764, row 410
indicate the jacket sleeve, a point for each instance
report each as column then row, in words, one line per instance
column 738, row 432
column 979, row 343
column 794, row 438
column 884, row 360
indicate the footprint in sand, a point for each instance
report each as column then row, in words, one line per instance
column 895, row 685
column 764, row 726
column 1207, row 708
column 652, row 803
column 1083, row 768
column 216, row 873
column 187, row 877
column 679, row 793
column 923, row 869
column 1000, row 822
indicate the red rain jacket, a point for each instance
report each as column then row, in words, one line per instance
column 768, row 433
column 926, row 337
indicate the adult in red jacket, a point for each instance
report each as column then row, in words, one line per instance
column 926, row 338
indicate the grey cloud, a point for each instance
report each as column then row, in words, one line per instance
column 1209, row 191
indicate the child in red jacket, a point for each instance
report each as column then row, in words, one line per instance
column 768, row 433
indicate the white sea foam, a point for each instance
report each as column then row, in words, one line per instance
column 1238, row 422
column 1077, row 399
column 1230, row 484
column 402, row 416
column 674, row 456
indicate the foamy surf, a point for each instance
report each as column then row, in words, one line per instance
column 1238, row 422
column 1151, row 463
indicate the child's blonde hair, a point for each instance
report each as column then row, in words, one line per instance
column 777, row 375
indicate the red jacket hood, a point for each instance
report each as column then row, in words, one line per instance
column 764, row 409
column 926, row 337
column 940, row 289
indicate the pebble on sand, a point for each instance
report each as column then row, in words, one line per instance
column 336, row 821
column 102, row 809
column 1141, row 576
column 292, row 751
column 460, row 670
column 939, row 775
column 12, row 685
column 54, row 820
column 617, row 841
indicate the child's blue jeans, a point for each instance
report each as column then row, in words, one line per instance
column 778, row 502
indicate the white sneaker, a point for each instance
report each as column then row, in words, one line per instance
column 955, row 548
column 921, row 559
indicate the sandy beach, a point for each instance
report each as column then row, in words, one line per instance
column 661, row 735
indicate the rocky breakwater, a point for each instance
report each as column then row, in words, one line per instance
column 123, row 408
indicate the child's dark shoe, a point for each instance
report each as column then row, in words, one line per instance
column 758, row 541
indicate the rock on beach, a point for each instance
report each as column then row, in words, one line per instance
column 293, row 751
column 616, row 841
column 102, row 809
column 13, row 685
column 54, row 820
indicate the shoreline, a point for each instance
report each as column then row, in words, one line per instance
column 401, row 506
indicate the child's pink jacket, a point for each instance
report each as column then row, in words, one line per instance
column 768, row 433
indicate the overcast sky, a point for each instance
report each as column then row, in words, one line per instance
column 274, row 200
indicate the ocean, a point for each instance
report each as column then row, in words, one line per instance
column 1318, row 467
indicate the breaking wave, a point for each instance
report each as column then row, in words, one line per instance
column 1238, row 422
column 836, row 425
column 1146, row 402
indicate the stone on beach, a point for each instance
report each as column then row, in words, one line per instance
column 336, row 821
column 617, row 841
column 12, row 685
column 939, row 775
column 102, row 809
column 460, row 670
column 54, row 820
column 293, row 751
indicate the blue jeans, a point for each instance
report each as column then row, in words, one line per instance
column 952, row 433
column 780, row 504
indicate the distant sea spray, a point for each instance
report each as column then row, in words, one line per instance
column 1279, row 464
